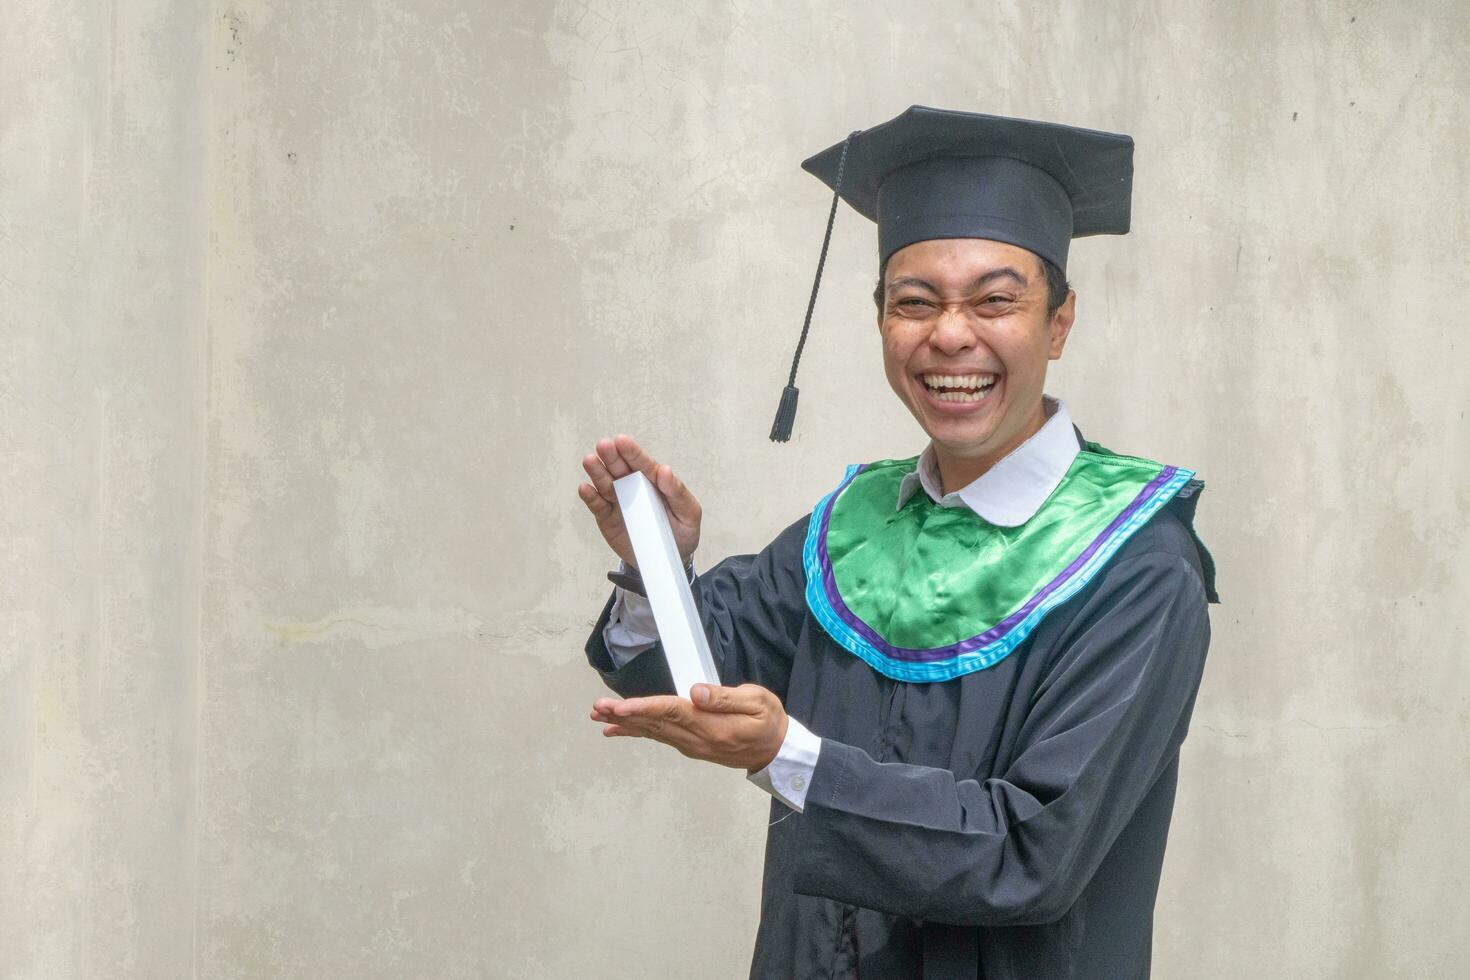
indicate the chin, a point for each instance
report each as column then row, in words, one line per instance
column 964, row 445
column 967, row 438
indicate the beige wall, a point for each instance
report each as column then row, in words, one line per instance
column 308, row 311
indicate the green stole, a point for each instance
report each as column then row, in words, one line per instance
column 929, row 593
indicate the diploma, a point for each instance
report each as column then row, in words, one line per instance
column 679, row 629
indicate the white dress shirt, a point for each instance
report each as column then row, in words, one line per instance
column 1008, row 494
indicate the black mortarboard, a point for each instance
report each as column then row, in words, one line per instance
column 938, row 173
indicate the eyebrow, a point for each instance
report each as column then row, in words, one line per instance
column 1004, row 272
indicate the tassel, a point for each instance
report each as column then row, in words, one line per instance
column 785, row 415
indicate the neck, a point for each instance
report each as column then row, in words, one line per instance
column 956, row 471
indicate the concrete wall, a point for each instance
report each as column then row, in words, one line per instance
column 308, row 311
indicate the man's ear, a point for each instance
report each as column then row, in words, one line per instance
column 1061, row 325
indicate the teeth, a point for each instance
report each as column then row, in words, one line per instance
column 960, row 396
column 971, row 381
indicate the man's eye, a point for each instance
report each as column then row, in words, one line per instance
column 996, row 298
column 912, row 300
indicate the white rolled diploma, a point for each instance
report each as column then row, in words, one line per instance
column 679, row 628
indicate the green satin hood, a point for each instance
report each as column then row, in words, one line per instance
column 924, row 593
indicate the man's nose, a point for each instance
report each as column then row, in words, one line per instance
column 952, row 333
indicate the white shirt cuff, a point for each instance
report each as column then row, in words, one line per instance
column 789, row 775
column 630, row 628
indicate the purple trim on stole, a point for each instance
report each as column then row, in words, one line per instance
column 829, row 583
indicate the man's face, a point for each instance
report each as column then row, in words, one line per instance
column 966, row 341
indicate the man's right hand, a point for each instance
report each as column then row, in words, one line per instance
column 617, row 458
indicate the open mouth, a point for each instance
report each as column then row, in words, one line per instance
column 960, row 388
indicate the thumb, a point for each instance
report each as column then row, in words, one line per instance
column 710, row 697
column 742, row 700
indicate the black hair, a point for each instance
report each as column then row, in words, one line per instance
column 1057, row 286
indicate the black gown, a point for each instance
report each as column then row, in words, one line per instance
column 1007, row 824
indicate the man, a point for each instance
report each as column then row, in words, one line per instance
column 965, row 677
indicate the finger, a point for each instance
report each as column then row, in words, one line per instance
column 612, row 458
column 657, row 717
column 666, row 707
column 602, row 480
column 640, row 727
column 599, row 507
column 624, row 731
column 635, row 457
column 602, row 710
column 681, row 502
column 747, row 699
column 688, row 743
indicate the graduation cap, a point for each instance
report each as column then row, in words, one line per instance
column 940, row 173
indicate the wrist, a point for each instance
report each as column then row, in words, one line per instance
column 772, row 751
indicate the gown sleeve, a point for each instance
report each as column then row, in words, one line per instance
column 752, row 608
column 1019, row 849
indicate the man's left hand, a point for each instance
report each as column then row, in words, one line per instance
column 741, row 727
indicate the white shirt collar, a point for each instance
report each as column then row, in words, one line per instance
column 1011, row 492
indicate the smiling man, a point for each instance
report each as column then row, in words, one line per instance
column 965, row 676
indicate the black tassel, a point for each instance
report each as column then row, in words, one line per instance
column 785, row 415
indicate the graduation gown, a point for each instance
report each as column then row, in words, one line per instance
column 1009, row 823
